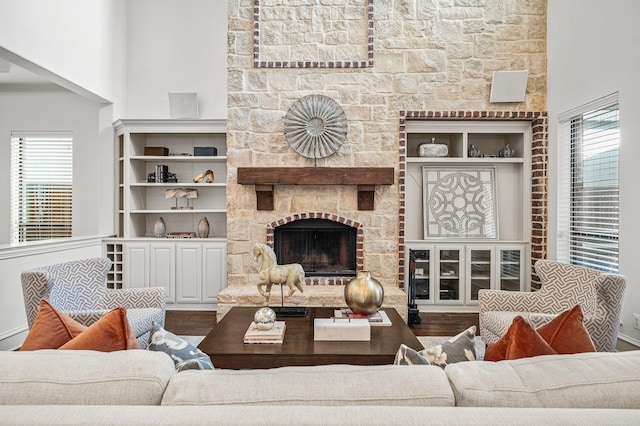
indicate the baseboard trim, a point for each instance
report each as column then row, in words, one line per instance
column 12, row 339
column 629, row 340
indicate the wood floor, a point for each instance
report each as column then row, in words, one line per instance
column 200, row 323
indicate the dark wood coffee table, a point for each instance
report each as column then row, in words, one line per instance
column 225, row 347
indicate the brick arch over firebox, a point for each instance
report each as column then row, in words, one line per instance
column 331, row 217
column 539, row 175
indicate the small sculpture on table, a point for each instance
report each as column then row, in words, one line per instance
column 271, row 273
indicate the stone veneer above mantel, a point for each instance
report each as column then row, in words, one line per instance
column 426, row 56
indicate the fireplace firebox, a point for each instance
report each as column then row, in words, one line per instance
column 324, row 248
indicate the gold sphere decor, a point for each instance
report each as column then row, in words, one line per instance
column 364, row 294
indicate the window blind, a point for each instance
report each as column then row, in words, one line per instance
column 41, row 185
column 588, row 199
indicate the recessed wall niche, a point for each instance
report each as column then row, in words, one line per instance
column 313, row 34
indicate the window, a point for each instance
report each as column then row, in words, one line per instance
column 588, row 185
column 41, row 185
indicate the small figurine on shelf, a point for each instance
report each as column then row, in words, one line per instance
column 189, row 194
column 473, row 151
column 207, row 177
column 505, row 152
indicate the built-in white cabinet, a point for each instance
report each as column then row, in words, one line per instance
column 453, row 274
column 450, row 270
column 193, row 272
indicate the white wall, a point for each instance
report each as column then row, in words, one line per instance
column 176, row 46
column 592, row 52
column 79, row 41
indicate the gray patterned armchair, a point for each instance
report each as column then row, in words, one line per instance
column 563, row 286
column 78, row 288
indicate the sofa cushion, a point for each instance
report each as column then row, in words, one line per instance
column 136, row 377
column 585, row 380
column 112, row 332
column 51, row 329
column 565, row 334
column 315, row 385
column 184, row 354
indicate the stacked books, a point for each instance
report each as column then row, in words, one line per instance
column 275, row 335
column 378, row 318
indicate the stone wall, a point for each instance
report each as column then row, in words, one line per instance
column 426, row 55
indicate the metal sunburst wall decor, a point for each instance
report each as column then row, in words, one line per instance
column 315, row 126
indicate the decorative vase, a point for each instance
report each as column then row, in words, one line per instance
column 433, row 149
column 505, row 152
column 473, row 151
column 159, row 228
column 264, row 318
column 364, row 294
column 203, row 228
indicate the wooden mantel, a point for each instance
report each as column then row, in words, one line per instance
column 366, row 178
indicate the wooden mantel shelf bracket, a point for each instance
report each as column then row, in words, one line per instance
column 265, row 178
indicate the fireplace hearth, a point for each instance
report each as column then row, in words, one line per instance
column 323, row 247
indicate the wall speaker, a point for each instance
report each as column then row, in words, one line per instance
column 183, row 105
column 508, row 86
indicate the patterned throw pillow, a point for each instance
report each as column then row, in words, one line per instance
column 565, row 334
column 409, row 356
column 185, row 356
column 457, row 349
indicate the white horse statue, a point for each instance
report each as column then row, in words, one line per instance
column 271, row 273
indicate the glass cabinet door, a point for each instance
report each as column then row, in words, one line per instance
column 511, row 271
column 422, row 273
column 448, row 274
column 480, row 271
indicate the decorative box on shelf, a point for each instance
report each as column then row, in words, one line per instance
column 156, row 150
column 199, row 151
column 346, row 329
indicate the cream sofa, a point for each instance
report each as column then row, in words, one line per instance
column 141, row 387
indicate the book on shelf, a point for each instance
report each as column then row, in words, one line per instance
column 274, row 335
column 378, row 318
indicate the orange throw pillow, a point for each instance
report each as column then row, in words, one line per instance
column 566, row 333
column 520, row 341
column 110, row 333
column 51, row 329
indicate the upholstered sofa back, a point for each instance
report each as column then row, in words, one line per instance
column 141, row 377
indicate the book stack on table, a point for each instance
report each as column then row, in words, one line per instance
column 275, row 335
column 378, row 318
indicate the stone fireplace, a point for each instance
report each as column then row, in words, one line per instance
column 401, row 56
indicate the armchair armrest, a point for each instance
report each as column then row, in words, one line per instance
column 515, row 301
column 132, row 298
